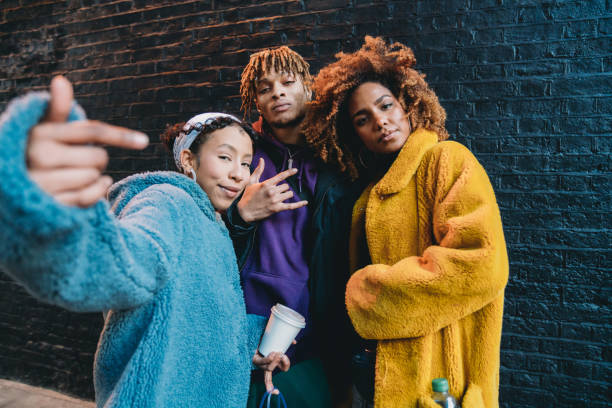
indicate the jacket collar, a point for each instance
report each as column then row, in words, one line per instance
column 120, row 193
column 405, row 165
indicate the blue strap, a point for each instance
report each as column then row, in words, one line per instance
column 267, row 397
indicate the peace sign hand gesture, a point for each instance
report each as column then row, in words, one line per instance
column 262, row 199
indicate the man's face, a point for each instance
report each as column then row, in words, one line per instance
column 281, row 99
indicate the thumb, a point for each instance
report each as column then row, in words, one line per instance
column 257, row 172
column 61, row 100
column 268, row 382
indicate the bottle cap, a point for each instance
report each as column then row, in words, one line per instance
column 439, row 385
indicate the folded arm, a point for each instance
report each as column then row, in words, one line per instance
column 461, row 270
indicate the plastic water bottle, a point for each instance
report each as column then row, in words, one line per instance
column 441, row 395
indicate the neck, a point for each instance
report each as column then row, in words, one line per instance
column 288, row 135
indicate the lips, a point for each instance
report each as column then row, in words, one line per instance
column 387, row 136
column 230, row 191
column 281, row 107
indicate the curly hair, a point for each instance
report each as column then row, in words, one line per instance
column 327, row 127
column 281, row 59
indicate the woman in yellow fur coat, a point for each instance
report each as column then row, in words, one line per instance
column 427, row 246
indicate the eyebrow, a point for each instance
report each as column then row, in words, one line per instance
column 232, row 148
column 376, row 102
column 266, row 79
column 229, row 146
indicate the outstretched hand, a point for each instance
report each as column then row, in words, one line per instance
column 60, row 157
column 269, row 364
column 262, row 199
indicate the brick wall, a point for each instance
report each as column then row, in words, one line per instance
column 526, row 85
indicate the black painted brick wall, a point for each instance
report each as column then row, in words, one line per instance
column 526, row 84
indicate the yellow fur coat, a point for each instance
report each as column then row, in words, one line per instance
column 433, row 296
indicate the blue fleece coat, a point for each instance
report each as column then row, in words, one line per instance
column 158, row 263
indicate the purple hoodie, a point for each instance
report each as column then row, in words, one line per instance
column 276, row 270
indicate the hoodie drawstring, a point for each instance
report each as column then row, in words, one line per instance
column 288, row 162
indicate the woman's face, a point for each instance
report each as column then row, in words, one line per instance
column 378, row 118
column 224, row 161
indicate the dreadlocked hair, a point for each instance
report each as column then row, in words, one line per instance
column 328, row 128
column 281, row 59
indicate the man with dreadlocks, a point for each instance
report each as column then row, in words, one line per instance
column 293, row 257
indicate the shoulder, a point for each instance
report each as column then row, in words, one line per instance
column 450, row 147
column 168, row 193
column 163, row 197
column 449, row 164
column 160, row 188
column 155, row 204
column 449, row 154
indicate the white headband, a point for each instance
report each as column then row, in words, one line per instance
column 184, row 141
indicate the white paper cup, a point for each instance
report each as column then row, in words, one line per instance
column 284, row 324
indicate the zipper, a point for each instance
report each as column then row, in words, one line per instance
column 248, row 255
column 333, row 184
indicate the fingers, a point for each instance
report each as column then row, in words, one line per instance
column 61, row 100
column 292, row 206
column 285, row 196
column 66, row 179
column 284, row 363
column 275, row 359
column 281, row 188
column 278, row 199
column 59, row 108
column 49, row 155
column 90, row 132
column 257, row 172
column 270, row 362
column 268, row 382
column 281, row 176
column 87, row 196
column 257, row 358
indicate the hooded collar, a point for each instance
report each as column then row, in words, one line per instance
column 405, row 165
column 295, row 156
column 266, row 133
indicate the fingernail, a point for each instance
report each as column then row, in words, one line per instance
column 139, row 139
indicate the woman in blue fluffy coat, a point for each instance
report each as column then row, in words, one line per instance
column 156, row 259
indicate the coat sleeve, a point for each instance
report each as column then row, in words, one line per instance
column 99, row 262
column 463, row 265
column 79, row 259
column 241, row 232
column 255, row 326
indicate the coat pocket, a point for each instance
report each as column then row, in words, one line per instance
column 472, row 398
column 425, row 401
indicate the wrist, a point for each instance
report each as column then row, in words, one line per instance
column 244, row 213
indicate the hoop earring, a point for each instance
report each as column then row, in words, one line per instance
column 193, row 174
column 359, row 156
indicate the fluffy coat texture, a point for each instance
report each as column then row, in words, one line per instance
column 158, row 263
column 433, row 292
